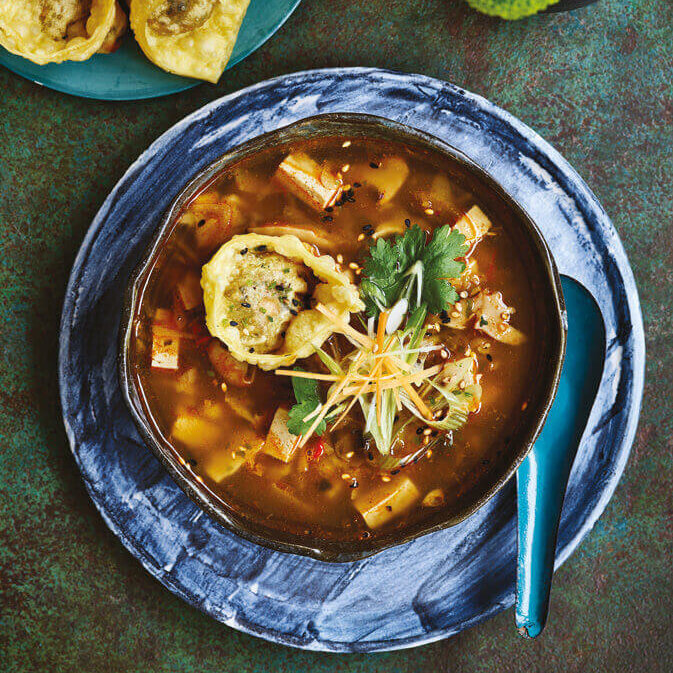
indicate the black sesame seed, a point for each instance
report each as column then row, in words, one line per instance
column 370, row 455
column 329, row 209
column 251, row 350
column 407, row 223
column 389, row 508
column 260, row 248
column 280, row 288
column 245, row 304
column 365, row 534
column 444, row 317
column 327, row 218
column 356, row 185
column 489, row 357
column 354, row 483
column 282, row 334
column 293, row 312
column 373, row 164
column 233, row 323
column 394, row 471
column 200, row 223
column 419, row 430
column 350, row 192
column 295, row 302
column 244, row 251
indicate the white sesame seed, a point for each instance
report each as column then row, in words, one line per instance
column 346, row 143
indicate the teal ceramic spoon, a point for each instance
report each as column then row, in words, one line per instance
column 543, row 476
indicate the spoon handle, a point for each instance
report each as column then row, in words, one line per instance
column 543, row 476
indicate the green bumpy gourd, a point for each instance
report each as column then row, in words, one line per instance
column 510, row 9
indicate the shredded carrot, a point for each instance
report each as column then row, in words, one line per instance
column 308, row 375
column 330, row 401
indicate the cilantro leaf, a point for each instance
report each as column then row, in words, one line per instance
column 440, row 265
column 389, row 273
column 307, row 394
column 296, row 423
column 383, row 272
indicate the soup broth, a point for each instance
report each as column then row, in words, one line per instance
column 227, row 419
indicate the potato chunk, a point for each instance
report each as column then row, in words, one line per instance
column 280, row 442
column 220, row 453
column 386, row 176
column 387, row 501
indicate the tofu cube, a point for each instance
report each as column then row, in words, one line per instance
column 309, row 181
column 165, row 349
column 280, row 442
column 474, row 225
column 387, row 501
column 189, row 291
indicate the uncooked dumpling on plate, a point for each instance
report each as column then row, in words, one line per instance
column 193, row 38
column 52, row 31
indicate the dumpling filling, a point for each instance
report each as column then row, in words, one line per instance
column 264, row 293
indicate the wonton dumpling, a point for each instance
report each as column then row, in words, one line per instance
column 193, row 38
column 52, row 32
column 257, row 292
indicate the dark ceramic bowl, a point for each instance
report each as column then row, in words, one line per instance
column 551, row 333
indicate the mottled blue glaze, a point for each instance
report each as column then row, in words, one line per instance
column 129, row 75
column 542, row 477
column 416, row 593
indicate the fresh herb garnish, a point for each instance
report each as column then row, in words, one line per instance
column 307, row 394
column 409, row 268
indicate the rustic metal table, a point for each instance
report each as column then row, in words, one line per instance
column 597, row 83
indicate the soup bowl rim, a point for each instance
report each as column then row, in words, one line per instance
column 191, row 484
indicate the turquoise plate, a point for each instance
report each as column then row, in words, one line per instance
column 129, row 75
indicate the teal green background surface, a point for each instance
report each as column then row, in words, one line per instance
column 597, row 83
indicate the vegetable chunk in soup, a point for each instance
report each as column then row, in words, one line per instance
column 336, row 336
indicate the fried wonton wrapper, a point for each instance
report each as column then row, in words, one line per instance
column 193, row 38
column 56, row 31
column 244, row 285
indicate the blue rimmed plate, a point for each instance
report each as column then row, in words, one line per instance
column 408, row 595
column 129, row 75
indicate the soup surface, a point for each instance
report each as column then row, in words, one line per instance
column 365, row 346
